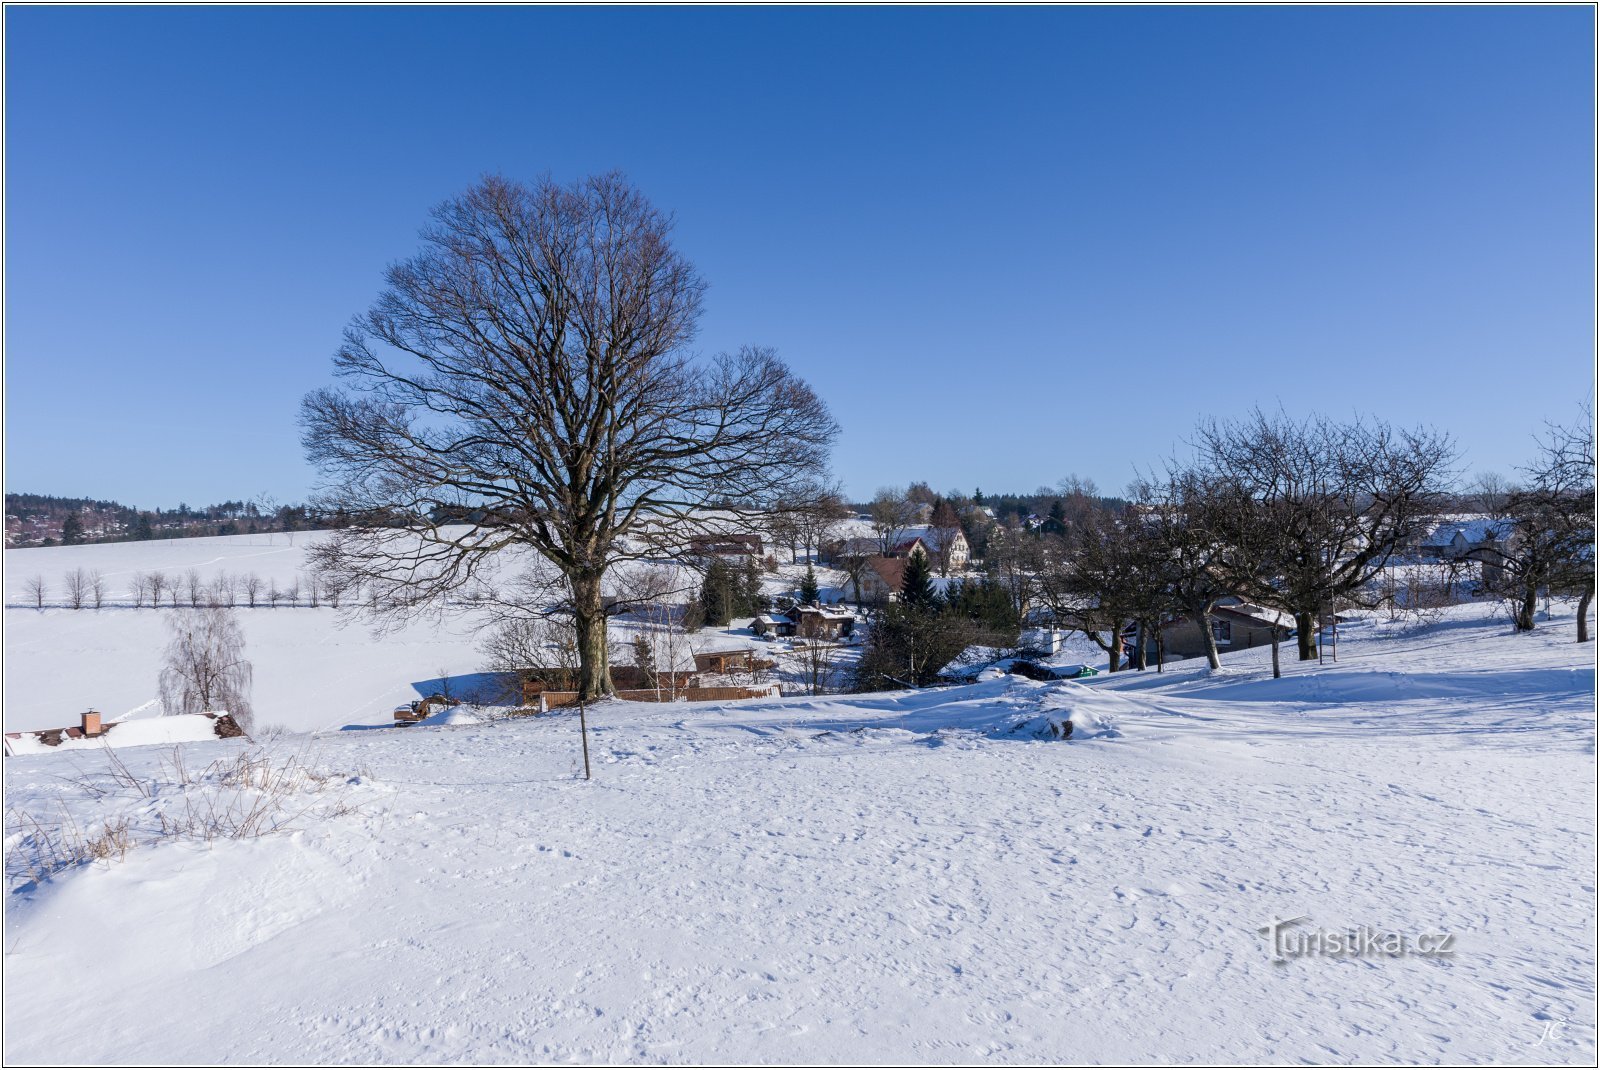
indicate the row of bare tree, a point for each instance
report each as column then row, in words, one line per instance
column 1301, row 517
column 88, row 589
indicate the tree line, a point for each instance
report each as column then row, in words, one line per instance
column 84, row 588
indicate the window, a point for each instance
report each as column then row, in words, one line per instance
column 1222, row 631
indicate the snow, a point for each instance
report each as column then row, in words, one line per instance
column 133, row 732
column 314, row 669
column 926, row 877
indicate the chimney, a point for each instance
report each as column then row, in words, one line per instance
column 91, row 723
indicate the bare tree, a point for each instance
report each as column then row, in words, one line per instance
column 943, row 527
column 1090, row 578
column 158, row 587
column 195, row 588
column 274, row 596
column 820, row 508
column 36, row 590
column 893, row 514
column 1544, row 532
column 817, row 665
column 1338, row 499
column 1181, row 516
column 545, row 647
column 97, row 588
column 524, row 381
column 205, row 669
column 251, row 585
column 225, row 589
column 77, row 585
column 141, row 589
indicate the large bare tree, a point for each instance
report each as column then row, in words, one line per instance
column 893, row 514
column 524, row 382
column 1337, row 499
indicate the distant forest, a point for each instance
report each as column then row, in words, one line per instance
column 49, row 520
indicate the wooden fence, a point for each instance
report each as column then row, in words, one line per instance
column 550, row 700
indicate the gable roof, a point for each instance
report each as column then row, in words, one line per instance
column 891, row 570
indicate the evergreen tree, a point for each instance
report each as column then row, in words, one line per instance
column 916, row 586
column 644, row 659
column 71, row 530
column 1057, row 523
column 809, row 592
column 717, row 593
column 142, row 530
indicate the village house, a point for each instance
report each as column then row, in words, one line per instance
column 1236, row 624
column 823, row 622
column 1462, row 540
column 958, row 554
column 879, row 582
column 773, row 625
column 924, row 541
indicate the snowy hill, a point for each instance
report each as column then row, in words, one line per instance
column 917, row 876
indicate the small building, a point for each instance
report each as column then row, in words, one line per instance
column 724, row 662
column 823, row 622
column 773, row 625
column 1236, row 626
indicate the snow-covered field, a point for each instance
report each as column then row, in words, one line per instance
column 314, row 668
column 919, row 877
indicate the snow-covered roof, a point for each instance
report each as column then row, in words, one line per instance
column 1472, row 529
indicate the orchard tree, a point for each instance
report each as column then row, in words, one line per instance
column 525, row 381
column 1546, row 529
column 1315, row 508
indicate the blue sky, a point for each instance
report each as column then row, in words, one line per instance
column 1004, row 245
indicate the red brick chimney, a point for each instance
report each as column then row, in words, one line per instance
column 91, row 723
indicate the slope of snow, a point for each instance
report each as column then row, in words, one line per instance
column 912, row 876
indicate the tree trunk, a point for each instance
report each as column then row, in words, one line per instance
column 1277, row 669
column 1583, row 613
column 1306, row 628
column 589, row 619
column 1522, row 618
column 1201, row 614
column 1143, row 661
column 1114, row 652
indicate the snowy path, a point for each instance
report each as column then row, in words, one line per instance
column 884, row 878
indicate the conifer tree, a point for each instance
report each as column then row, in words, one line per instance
column 809, row 592
column 916, row 586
